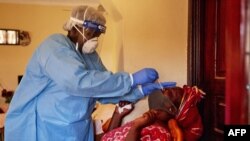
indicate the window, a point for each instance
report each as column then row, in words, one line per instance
column 9, row 37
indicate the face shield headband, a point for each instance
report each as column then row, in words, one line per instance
column 97, row 27
column 89, row 24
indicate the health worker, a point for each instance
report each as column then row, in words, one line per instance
column 63, row 81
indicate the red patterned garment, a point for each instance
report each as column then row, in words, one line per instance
column 155, row 133
column 188, row 116
column 150, row 133
column 118, row 134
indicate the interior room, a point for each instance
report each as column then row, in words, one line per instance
column 167, row 35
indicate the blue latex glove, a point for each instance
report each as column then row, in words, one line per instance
column 146, row 75
column 150, row 87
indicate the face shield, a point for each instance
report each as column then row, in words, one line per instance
column 157, row 100
column 95, row 30
column 91, row 21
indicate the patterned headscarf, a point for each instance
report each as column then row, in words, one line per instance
column 188, row 116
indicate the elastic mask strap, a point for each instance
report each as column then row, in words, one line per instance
column 81, row 32
column 85, row 14
column 76, row 20
column 77, row 46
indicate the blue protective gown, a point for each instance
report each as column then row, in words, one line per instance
column 58, row 92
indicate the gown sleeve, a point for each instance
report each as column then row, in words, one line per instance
column 70, row 71
column 133, row 96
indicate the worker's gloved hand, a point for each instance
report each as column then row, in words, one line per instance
column 151, row 87
column 146, row 75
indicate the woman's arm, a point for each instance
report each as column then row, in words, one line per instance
column 116, row 119
column 117, row 116
column 139, row 123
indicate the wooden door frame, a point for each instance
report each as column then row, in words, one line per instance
column 195, row 65
column 195, row 41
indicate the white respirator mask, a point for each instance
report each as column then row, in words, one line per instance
column 90, row 45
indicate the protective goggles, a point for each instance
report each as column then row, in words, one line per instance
column 89, row 24
column 97, row 27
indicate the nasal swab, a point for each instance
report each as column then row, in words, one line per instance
column 160, row 85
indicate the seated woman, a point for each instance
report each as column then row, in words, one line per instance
column 172, row 115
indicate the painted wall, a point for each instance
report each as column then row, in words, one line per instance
column 155, row 35
column 39, row 21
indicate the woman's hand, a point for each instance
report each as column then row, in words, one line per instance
column 125, row 111
column 118, row 115
column 146, row 119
